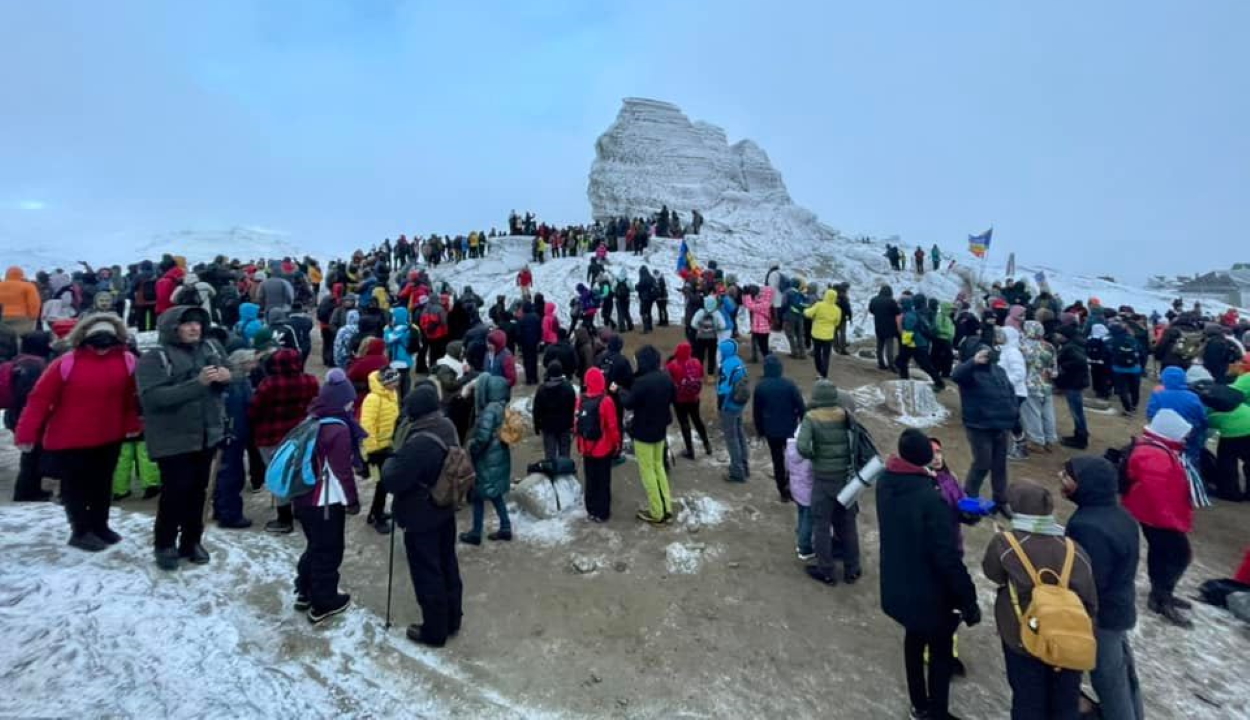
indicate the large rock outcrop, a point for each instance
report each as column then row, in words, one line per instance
column 653, row 155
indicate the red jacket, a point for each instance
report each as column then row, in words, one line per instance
column 282, row 399
column 610, row 441
column 359, row 369
column 1158, row 493
column 525, row 278
column 165, row 288
column 97, row 405
column 677, row 368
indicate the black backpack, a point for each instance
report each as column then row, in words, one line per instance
column 190, row 295
column 1124, row 354
column 622, row 290
column 286, row 336
column 588, row 425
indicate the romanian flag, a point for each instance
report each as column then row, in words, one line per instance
column 979, row 245
column 686, row 262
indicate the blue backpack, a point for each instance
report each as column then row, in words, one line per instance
column 291, row 473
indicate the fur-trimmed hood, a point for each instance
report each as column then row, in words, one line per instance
column 85, row 323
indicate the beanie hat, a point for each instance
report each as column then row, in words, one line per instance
column 337, row 391
column 1169, row 424
column 263, row 339
column 421, row 401
column 1028, row 498
column 555, row 369
column 1197, row 374
column 915, row 448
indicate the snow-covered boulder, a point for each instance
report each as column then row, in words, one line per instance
column 908, row 402
column 543, row 498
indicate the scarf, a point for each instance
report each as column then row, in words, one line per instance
column 1037, row 524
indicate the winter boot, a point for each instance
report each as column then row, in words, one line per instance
column 1169, row 612
column 88, row 541
column 1078, row 441
column 470, row 538
column 821, row 575
column 167, row 559
column 338, row 605
column 416, row 634
column 196, row 555
column 108, row 536
column 149, row 493
column 279, row 527
column 501, row 536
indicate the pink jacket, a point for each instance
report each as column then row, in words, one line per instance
column 799, row 469
column 550, row 324
column 761, row 310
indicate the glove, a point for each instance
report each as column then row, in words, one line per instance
column 353, row 509
column 972, row 615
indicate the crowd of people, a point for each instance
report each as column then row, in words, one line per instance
column 421, row 370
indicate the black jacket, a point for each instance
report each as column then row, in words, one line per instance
column 884, row 309
column 986, row 395
column 567, row 356
column 1217, row 355
column 778, row 406
column 553, row 406
column 1073, row 365
column 1109, row 536
column 529, row 330
column 650, row 397
column 923, row 578
column 412, row 471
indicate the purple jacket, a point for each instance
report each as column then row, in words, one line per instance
column 335, row 458
column 800, row 470
column 951, row 493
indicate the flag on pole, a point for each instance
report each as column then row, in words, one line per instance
column 1011, row 265
column 686, row 262
column 979, row 245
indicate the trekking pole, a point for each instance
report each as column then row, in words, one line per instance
column 390, row 575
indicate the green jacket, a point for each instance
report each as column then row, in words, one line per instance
column 492, row 459
column 1234, row 424
column 180, row 414
column 824, row 436
column 944, row 324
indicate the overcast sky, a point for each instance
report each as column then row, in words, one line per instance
column 1105, row 137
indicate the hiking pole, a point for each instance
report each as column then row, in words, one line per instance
column 390, row 575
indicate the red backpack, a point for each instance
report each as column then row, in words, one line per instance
column 692, row 381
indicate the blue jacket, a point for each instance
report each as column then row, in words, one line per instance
column 731, row 369
column 249, row 321
column 396, row 337
column 1176, row 395
column 1119, row 345
column 986, row 396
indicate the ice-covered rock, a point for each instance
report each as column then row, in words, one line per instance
column 908, row 402
column 543, row 498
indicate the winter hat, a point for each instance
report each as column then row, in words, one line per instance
column 1068, row 331
column 421, row 401
column 337, row 391
column 388, row 376
column 1169, row 424
column 1028, row 498
column 915, row 448
column 1197, row 374
column 263, row 339
column 555, row 369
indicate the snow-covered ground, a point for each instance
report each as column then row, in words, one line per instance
column 109, row 635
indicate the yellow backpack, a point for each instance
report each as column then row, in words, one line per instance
column 1054, row 628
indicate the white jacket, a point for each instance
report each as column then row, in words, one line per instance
column 1011, row 360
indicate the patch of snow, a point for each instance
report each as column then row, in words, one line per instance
column 109, row 635
column 548, row 532
column 543, row 497
column 698, row 511
column 687, row 558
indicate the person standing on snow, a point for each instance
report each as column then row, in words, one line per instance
column 707, row 325
column 78, row 413
column 598, row 441
column 885, row 312
column 825, row 317
column 924, row 584
column 181, row 384
column 27, row 368
column 554, row 407
column 1109, row 535
column 777, row 409
column 650, row 397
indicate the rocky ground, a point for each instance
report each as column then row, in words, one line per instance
column 708, row 617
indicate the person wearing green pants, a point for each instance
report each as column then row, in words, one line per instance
column 134, row 460
column 650, row 398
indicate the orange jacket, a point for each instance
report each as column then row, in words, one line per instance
column 19, row 297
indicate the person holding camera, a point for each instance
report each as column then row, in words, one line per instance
column 988, row 402
column 181, row 382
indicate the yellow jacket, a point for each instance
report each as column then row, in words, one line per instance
column 383, row 297
column 825, row 316
column 378, row 415
column 314, row 274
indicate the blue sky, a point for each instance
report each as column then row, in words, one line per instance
column 1106, row 137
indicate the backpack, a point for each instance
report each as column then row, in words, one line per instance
column 740, row 389
column 512, row 431
column 432, row 322
column 291, row 472
column 147, row 291
column 622, row 290
column 1124, row 354
column 285, row 336
column 67, row 364
column 691, row 383
column 190, row 295
column 1189, row 346
column 588, row 423
column 1054, row 628
column 227, row 299
column 456, row 478
column 707, row 327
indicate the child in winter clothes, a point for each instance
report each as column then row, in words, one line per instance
column 231, row 471
column 133, row 459
column 492, row 460
column 323, row 512
column 799, row 470
column 25, row 372
column 378, row 415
